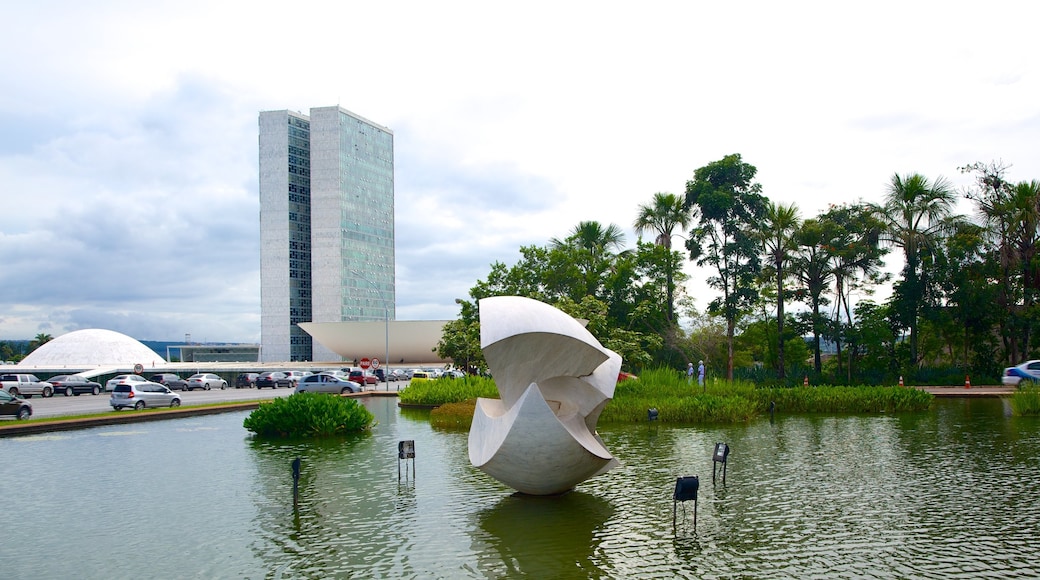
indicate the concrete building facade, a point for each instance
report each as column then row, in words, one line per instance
column 326, row 227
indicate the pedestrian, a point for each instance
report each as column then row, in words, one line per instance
column 700, row 373
column 689, row 373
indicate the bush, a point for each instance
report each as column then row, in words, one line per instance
column 454, row 415
column 440, row 391
column 308, row 415
column 1026, row 402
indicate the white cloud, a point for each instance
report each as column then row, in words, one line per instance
column 128, row 156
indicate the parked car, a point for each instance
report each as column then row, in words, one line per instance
column 453, row 374
column 206, row 381
column 397, row 375
column 363, row 378
column 340, row 374
column 171, row 380
column 295, row 376
column 14, row 406
column 22, row 385
column 70, row 385
column 421, row 376
column 141, row 395
column 1028, row 371
column 322, row 383
column 380, row 375
column 246, row 380
column 124, row 380
column 272, row 379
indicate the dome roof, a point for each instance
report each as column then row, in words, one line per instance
column 92, row 347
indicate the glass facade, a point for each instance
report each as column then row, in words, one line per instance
column 327, row 194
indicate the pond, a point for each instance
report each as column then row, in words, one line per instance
column 947, row 493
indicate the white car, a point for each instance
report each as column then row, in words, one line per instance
column 205, row 381
column 1029, row 371
column 295, row 376
column 323, row 383
column 125, row 380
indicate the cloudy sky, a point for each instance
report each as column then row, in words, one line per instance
column 128, row 150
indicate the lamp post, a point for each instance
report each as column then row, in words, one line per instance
column 386, row 320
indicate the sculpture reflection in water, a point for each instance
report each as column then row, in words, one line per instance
column 554, row 379
column 542, row 537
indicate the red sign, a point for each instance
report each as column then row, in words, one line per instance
column 365, row 363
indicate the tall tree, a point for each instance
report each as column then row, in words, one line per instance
column 916, row 212
column 812, row 267
column 597, row 246
column 662, row 216
column 730, row 206
column 779, row 242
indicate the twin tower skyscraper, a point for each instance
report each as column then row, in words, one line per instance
column 326, row 227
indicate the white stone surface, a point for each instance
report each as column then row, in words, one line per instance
column 554, row 379
column 92, row 348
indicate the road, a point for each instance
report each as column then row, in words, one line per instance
column 60, row 406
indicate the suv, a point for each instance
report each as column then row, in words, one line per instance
column 141, row 395
column 246, row 380
column 170, row 380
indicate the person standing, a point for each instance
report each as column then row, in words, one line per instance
column 700, row 372
column 689, row 373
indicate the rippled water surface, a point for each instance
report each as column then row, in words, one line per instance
column 951, row 493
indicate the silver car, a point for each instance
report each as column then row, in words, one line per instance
column 206, row 381
column 141, row 395
column 322, row 383
column 125, row 380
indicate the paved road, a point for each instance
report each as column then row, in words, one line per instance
column 60, row 406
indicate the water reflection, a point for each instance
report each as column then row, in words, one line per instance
column 542, row 537
column 947, row 493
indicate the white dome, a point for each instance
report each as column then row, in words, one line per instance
column 92, row 347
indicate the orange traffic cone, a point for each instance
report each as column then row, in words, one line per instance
column 967, row 382
column 900, row 380
column 805, row 381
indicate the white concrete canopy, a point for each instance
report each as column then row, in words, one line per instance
column 554, row 379
column 410, row 341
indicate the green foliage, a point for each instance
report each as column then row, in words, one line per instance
column 454, row 415
column 1026, row 402
column 308, row 415
column 441, row 391
column 680, row 401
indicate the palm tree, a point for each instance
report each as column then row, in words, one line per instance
column 40, row 339
column 662, row 216
column 780, row 223
column 915, row 212
column 595, row 245
column 812, row 267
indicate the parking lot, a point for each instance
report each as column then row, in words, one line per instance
column 86, row 404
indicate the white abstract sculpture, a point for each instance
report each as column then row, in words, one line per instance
column 554, row 378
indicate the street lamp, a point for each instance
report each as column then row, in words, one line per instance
column 386, row 319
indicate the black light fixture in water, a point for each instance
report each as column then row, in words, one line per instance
column 720, row 455
column 685, row 490
column 651, row 414
column 406, row 451
column 296, row 482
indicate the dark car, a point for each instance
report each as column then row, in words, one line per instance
column 246, row 380
column 362, row 378
column 273, row 379
column 12, row 405
column 171, row 381
column 74, row 385
column 380, row 375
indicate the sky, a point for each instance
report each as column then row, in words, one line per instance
column 128, row 130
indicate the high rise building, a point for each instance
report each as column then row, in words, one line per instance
column 326, row 227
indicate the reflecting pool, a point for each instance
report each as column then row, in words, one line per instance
column 947, row 493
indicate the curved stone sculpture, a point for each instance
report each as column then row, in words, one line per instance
column 554, row 379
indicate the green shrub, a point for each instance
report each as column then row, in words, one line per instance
column 1026, row 402
column 440, row 391
column 454, row 415
column 308, row 415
